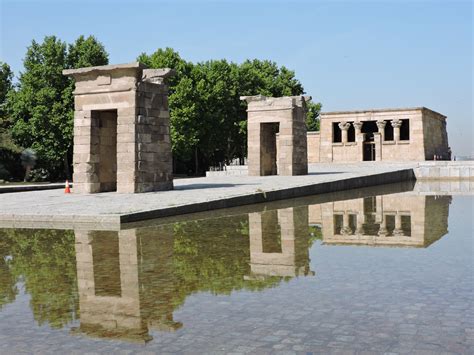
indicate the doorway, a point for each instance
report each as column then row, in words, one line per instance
column 268, row 148
column 369, row 151
column 106, row 121
column 369, row 128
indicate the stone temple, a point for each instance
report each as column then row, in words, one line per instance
column 121, row 129
column 406, row 134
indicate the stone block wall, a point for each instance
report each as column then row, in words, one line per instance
column 435, row 136
column 314, row 140
column 154, row 157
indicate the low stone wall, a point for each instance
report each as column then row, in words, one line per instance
column 230, row 170
column 445, row 170
column 314, row 140
column 431, row 187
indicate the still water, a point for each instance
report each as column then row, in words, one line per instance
column 369, row 271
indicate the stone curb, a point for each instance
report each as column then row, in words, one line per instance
column 113, row 221
column 24, row 188
column 268, row 196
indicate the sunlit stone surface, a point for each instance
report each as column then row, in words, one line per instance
column 383, row 270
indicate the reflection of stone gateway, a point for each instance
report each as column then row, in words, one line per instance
column 279, row 242
column 110, row 286
column 107, row 310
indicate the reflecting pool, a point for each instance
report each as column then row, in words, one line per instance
column 387, row 269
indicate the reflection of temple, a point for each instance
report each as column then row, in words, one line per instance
column 388, row 220
column 112, row 285
column 279, row 242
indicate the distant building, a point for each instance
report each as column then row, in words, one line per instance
column 406, row 134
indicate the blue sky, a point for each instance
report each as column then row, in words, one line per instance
column 347, row 54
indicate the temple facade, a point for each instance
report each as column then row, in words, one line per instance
column 413, row 134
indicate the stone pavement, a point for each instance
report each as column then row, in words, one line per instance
column 54, row 209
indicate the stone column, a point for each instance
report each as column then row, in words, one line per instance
column 396, row 124
column 344, row 126
column 378, row 139
column 360, row 223
column 360, row 137
column 346, row 229
column 381, row 127
column 383, row 228
column 358, row 128
column 398, row 231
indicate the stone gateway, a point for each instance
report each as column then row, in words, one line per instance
column 121, row 129
column 277, row 135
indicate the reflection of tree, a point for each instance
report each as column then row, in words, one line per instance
column 8, row 289
column 183, row 258
column 210, row 256
column 45, row 259
column 315, row 233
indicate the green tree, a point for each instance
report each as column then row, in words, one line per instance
column 10, row 166
column 6, row 76
column 312, row 116
column 208, row 120
column 42, row 108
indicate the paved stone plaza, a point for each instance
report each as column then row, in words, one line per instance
column 53, row 207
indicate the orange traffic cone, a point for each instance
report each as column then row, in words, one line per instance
column 67, row 190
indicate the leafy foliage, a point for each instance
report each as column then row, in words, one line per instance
column 6, row 76
column 312, row 116
column 208, row 120
column 10, row 166
column 42, row 108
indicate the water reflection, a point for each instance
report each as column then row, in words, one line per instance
column 279, row 243
column 124, row 284
column 401, row 220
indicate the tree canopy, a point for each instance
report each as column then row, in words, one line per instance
column 41, row 109
column 208, row 120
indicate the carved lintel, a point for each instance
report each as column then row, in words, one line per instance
column 157, row 76
column 253, row 98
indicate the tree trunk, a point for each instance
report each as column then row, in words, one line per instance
column 196, row 162
column 27, row 172
column 66, row 167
